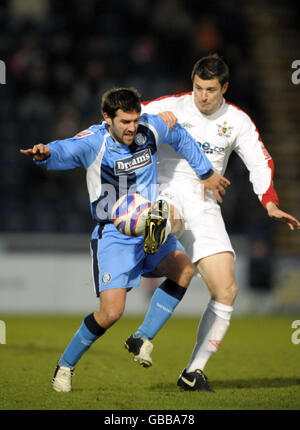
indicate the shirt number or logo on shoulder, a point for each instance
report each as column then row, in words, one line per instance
column 84, row 133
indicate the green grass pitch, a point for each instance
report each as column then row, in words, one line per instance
column 256, row 368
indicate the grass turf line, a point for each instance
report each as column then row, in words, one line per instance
column 256, row 367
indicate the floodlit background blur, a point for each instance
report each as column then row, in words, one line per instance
column 60, row 57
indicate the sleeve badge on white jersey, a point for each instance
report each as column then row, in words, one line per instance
column 224, row 130
column 187, row 125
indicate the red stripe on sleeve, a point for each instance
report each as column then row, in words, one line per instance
column 270, row 195
column 145, row 103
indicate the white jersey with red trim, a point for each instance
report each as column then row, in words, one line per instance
column 227, row 130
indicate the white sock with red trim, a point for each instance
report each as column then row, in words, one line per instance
column 212, row 328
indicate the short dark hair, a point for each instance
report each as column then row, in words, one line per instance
column 211, row 67
column 127, row 99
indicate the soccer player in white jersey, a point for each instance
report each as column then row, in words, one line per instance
column 220, row 128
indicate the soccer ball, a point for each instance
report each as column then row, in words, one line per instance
column 129, row 214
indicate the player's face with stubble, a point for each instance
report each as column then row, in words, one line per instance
column 208, row 94
column 123, row 126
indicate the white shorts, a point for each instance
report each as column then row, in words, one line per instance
column 204, row 229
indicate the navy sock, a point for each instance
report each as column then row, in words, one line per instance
column 162, row 305
column 86, row 335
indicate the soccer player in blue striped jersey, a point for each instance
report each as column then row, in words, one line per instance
column 119, row 156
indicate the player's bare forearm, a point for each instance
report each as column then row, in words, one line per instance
column 276, row 213
column 39, row 152
column 217, row 184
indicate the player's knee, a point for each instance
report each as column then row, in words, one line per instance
column 185, row 275
column 189, row 272
column 227, row 294
column 109, row 316
column 234, row 291
column 114, row 315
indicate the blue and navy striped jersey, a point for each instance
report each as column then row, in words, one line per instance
column 114, row 169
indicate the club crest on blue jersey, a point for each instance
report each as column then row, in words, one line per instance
column 136, row 161
column 140, row 139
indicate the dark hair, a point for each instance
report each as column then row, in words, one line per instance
column 211, row 67
column 127, row 99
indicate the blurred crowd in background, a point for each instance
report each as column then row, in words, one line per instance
column 62, row 55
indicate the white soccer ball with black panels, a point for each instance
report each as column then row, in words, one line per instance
column 129, row 214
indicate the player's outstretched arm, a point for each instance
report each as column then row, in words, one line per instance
column 276, row 213
column 217, row 184
column 39, row 152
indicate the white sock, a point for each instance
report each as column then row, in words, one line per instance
column 212, row 328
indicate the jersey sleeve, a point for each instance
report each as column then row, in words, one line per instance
column 258, row 161
column 184, row 144
column 78, row 151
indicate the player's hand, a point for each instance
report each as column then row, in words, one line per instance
column 169, row 118
column 217, row 184
column 276, row 213
column 39, row 152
